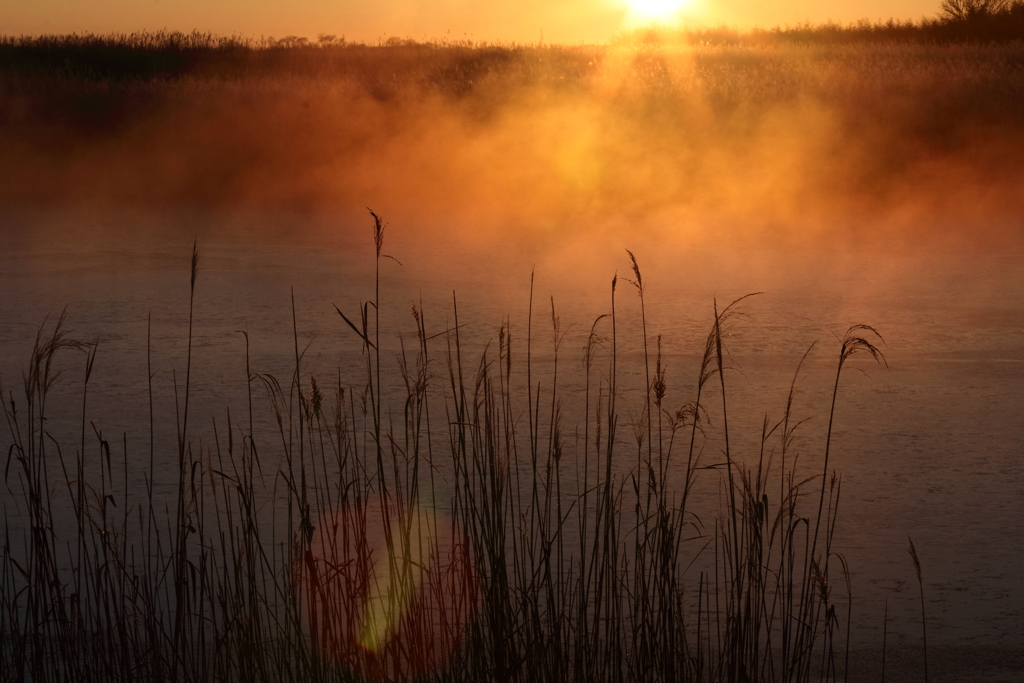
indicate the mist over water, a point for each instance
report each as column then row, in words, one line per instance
column 893, row 146
column 874, row 185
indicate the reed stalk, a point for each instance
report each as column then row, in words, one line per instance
column 565, row 562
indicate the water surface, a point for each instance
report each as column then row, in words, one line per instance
column 931, row 447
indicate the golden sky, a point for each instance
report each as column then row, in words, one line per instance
column 524, row 21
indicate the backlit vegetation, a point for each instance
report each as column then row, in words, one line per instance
column 595, row 555
column 872, row 132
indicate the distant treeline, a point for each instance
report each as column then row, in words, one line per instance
column 173, row 54
column 802, row 126
column 164, row 54
column 960, row 21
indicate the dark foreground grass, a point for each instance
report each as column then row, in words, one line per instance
column 451, row 530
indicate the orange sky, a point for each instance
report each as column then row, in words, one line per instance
column 524, row 21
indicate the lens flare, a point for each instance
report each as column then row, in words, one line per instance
column 388, row 588
column 397, row 576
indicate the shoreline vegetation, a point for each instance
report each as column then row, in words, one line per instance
column 957, row 21
column 890, row 134
column 574, row 553
column 171, row 55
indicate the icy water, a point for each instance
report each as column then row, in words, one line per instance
column 931, row 448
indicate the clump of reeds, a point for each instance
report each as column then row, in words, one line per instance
column 564, row 560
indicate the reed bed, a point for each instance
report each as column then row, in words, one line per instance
column 510, row 544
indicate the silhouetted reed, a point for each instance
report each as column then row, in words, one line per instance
column 506, row 550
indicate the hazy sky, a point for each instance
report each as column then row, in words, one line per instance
column 526, row 21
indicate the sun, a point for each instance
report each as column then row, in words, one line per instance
column 657, row 10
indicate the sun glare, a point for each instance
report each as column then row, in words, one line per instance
column 657, row 10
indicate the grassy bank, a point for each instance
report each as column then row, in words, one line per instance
column 443, row 502
column 772, row 141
